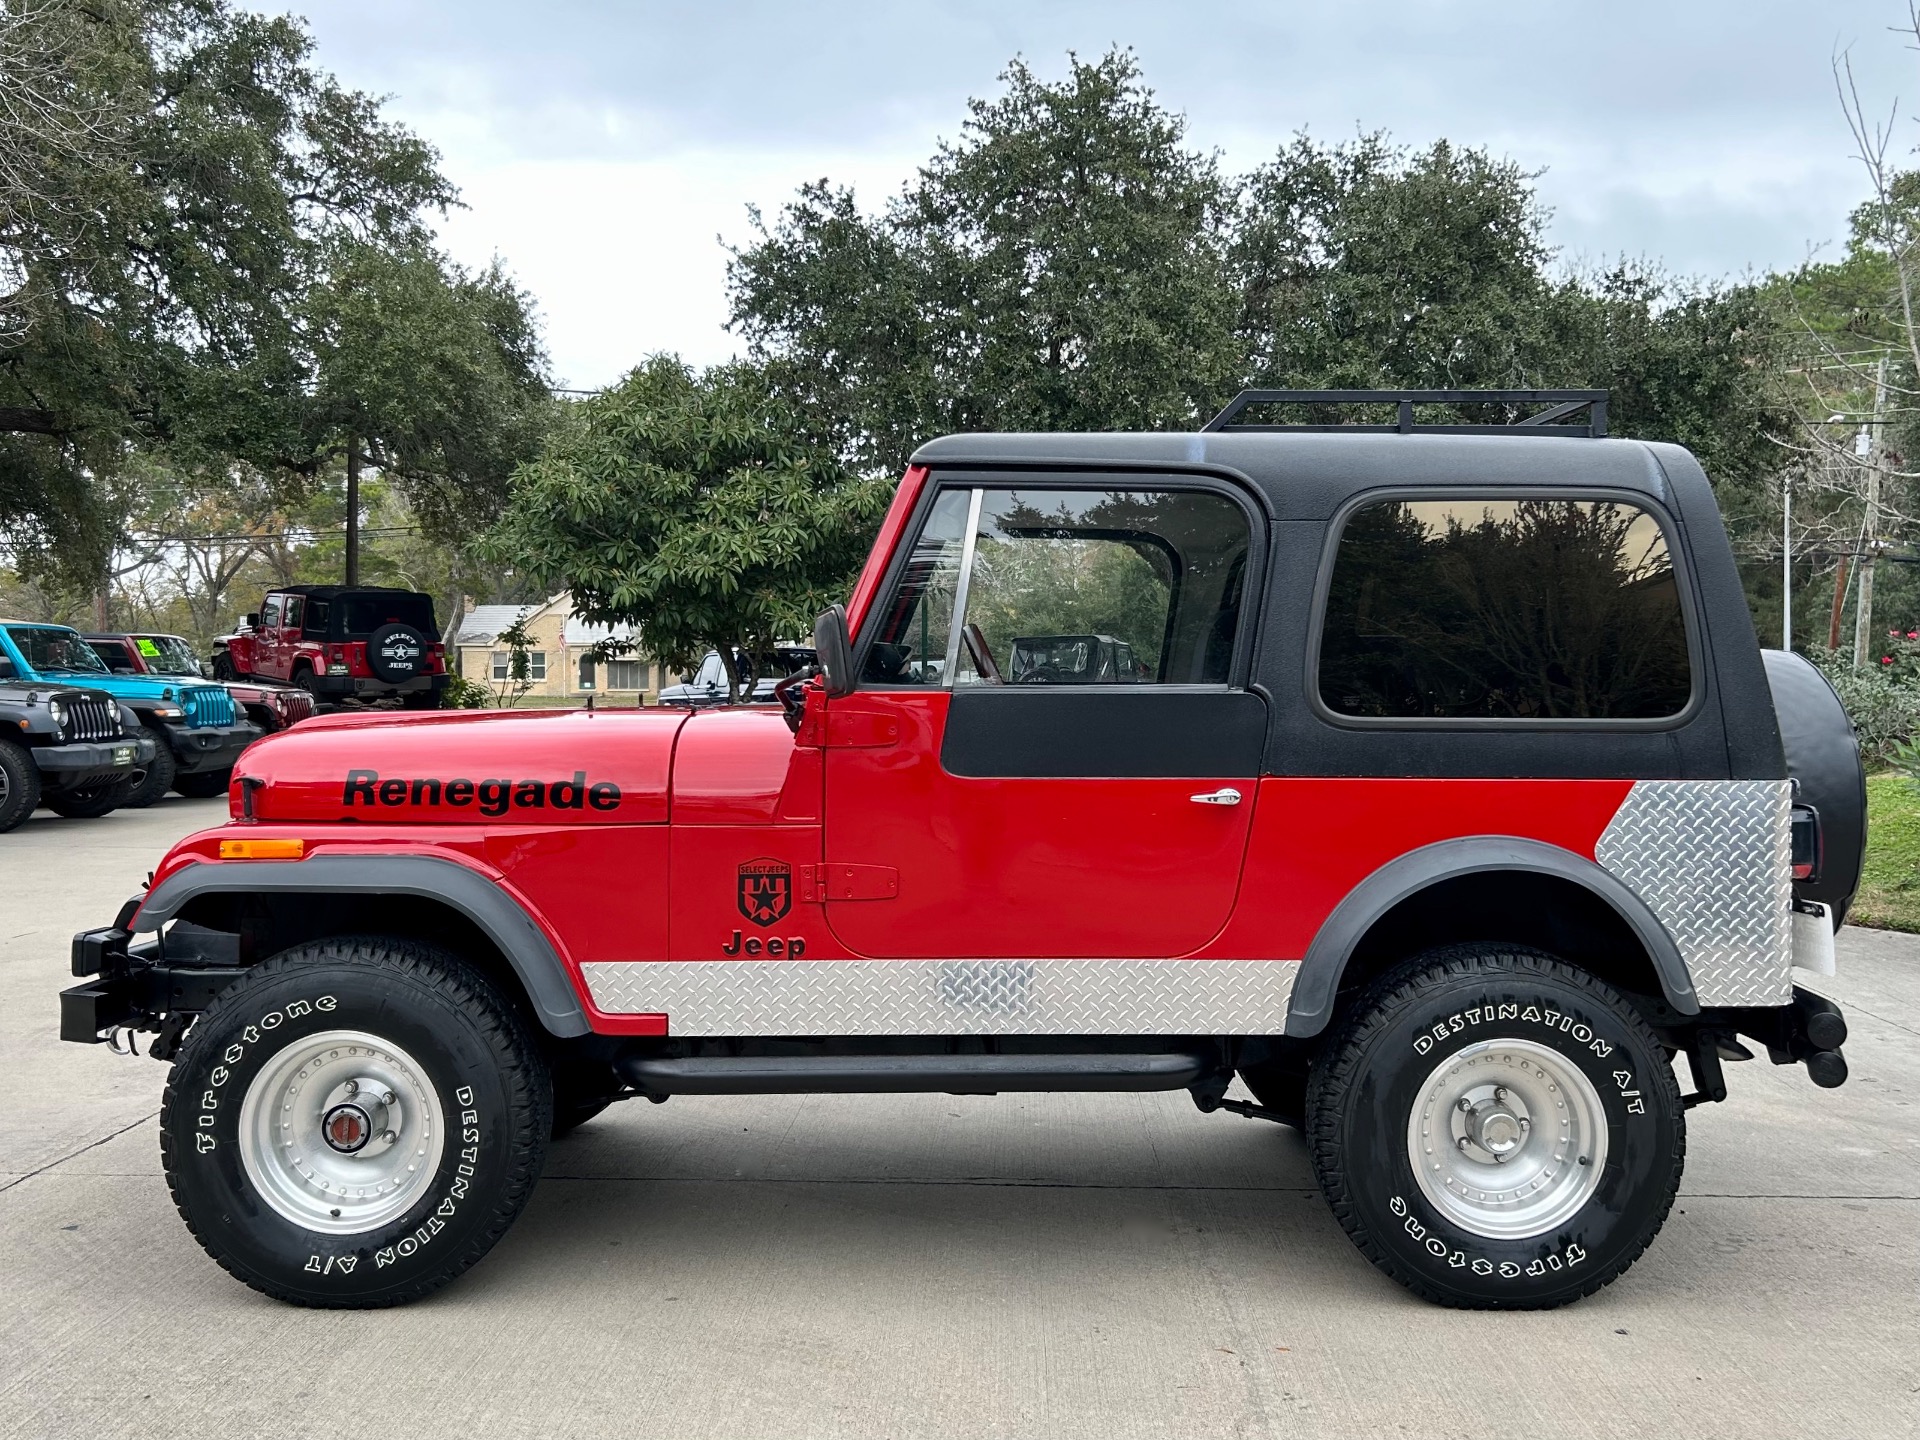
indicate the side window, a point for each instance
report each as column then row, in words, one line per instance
column 1494, row 609
column 270, row 613
column 291, row 619
column 1069, row 587
column 910, row 646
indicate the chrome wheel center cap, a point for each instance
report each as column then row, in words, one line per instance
column 1497, row 1130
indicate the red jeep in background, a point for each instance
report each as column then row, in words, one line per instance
column 271, row 707
column 339, row 643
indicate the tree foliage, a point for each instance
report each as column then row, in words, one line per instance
column 692, row 506
column 223, row 254
column 1070, row 263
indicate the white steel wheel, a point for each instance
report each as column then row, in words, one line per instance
column 341, row 1132
column 1508, row 1139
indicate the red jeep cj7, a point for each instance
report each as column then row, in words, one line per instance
column 340, row 643
column 1431, row 784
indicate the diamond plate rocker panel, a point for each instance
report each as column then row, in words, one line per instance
column 1712, row 859
column 950, row 997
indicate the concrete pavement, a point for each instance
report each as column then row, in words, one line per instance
column 1056, row 1265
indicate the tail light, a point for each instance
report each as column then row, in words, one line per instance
column 1806, row 843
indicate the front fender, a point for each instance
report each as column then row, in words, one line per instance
column 500, row 918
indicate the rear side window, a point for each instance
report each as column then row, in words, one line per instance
column 1500, row 609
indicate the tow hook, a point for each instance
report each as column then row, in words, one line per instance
column 114, row 1044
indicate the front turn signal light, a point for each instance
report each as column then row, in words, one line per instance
column 263, row 849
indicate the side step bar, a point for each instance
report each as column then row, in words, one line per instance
column 898, row 1074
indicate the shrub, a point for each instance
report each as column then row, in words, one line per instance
column 1883, row 700
column 464, row 694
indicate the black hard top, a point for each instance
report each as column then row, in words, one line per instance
column 331, row 592
column 1308, row 475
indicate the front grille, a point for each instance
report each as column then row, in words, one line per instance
column 295, row 705
column 206, row 706
column 90, row 717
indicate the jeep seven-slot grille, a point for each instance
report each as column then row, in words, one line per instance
column 90, row 717
column 206, row 706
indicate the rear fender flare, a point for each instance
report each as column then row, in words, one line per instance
column 499, row 917
column 1318, row 981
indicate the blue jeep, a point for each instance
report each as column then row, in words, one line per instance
column 197, row 730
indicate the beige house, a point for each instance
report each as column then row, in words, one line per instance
column 561, row 663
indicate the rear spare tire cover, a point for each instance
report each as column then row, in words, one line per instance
column 396, row 653
column 1824, row 757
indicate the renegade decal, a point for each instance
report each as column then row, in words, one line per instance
column 764, row 890
column 494, row 797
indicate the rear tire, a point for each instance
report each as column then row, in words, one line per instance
column 419, row 1107
column 1496, row 1129
column 19, row 784
column 160, row 773
column 203, row 784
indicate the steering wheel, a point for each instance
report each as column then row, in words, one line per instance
column 983, row 661
column 1044, row 675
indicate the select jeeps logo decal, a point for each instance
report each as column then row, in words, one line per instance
column 765, row 890
column 401, row 650
column 491, row 797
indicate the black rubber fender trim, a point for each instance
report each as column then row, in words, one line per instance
column 499, row 917
column 1318, row 981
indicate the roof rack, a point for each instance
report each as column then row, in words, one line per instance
column 1561, row 404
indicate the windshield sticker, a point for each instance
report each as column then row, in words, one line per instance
column 147, row 648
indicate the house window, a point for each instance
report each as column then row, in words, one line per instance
column 536, row 665
column 586, row 672
column 624, row 675
column 502, row 665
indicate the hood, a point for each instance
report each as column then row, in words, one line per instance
column 466, row 767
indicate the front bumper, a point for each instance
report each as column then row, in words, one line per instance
column 91, row 762
column 211, row 748
column 138, row 983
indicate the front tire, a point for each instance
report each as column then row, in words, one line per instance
column 1496, row 1129
column 19, row 784
column 355, row 1122
column 160, row 773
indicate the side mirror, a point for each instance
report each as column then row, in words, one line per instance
column 249, row 621
column 834, row 646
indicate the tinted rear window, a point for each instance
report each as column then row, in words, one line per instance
column 1492, row 609
column 361, row 615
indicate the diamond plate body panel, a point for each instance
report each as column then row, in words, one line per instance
column 1712, row 859
column 951, row 997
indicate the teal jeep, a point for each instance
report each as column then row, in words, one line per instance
column 197, row 730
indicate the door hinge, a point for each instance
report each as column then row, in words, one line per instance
column 848, row 882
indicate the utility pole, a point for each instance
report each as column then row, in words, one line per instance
column 353, row 512
column 1786, row 562
column 1870, row 531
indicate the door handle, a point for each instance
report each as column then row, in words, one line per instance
column 1226, row 795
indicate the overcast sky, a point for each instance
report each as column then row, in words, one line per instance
column 604, row 148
